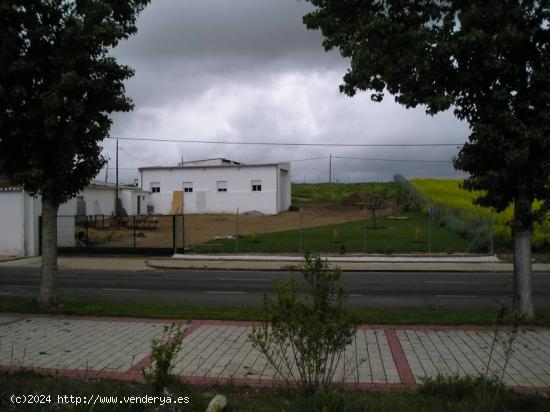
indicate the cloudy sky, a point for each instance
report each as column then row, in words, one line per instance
column 248, row 70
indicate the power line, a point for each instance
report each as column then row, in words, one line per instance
column 394, row 160
column 304, row 160
column 134, row 157
column 252, row 143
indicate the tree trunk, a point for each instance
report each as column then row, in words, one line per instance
column 48, row 286
column 523, row 276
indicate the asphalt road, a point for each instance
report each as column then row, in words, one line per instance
column 236, row 288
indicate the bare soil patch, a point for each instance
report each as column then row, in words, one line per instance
column 200, row 228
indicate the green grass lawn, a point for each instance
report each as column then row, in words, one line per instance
column 396, row 236
column 334, row 192
column 253, row 313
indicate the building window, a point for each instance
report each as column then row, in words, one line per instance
column 256, row 185
column 188, row 187
column 155, row 187
column 221, row 185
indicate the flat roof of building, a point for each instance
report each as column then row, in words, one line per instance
column 211, row 166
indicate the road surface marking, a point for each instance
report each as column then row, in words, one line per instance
column 457, row 296
column 461, row 282
column 121, row 290
column 224, row 291
column 247, row 279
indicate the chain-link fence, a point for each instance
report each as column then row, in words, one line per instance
column 402, row 222
column 145, row 234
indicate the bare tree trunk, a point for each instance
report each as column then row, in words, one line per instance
column 48, row 287
column 523, row 276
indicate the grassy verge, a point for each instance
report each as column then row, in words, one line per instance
column 434, row 398
column 370, row 316
column 409, row 235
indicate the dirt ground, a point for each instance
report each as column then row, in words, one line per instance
column 204, row 227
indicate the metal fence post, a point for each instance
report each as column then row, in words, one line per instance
column 491, row 235
column 134, row 224
column 301, row 228
column 183, row 232
column 174, row 243
column 430, row 229
column 237, row 232
column 364, row 229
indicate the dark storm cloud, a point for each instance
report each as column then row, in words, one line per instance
column 249, row 70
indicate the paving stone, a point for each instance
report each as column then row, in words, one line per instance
column 225, row 351
column 75, row 344
column 468, row 353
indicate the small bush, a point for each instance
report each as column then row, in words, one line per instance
column 311, row 331
column 293, row 208
column 164, row 352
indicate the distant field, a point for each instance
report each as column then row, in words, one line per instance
column 448, row 194
column 341, row 192
column 397, row 236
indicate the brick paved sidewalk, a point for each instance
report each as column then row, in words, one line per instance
column 381, row 357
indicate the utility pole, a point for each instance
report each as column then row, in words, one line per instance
column 116, row 189
column 330, row 169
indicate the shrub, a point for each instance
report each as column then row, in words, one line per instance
column 164, row 352
column 311, row 331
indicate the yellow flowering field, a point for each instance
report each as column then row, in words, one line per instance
column 448, row 194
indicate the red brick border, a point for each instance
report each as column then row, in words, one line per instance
column 403, row 368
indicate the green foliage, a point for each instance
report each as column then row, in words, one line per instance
column 456, row 209
column 330, row 192
column 58, row 86
column 164, row 351
column 310, row 331
column 486, row 61
column 249, row 399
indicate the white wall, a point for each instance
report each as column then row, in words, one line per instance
column 205, row 198
column 98, row 202
column 12, row 221
column 284, row 188
column 129, row 200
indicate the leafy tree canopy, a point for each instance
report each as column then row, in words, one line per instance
column 488, row 60
column 58, row 86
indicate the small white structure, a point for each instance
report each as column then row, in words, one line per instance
column 98, row 198
column 19, row 216
column 18, row 221
column 218, row 186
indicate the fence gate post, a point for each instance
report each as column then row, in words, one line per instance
column 183, row 232
column 174, row 242
column 364, row 229
column 430, row 229
column 301, row 228
column 237, row 232
column 491, row 239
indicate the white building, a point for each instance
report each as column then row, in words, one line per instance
column 19, row 214
column 218, row 186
